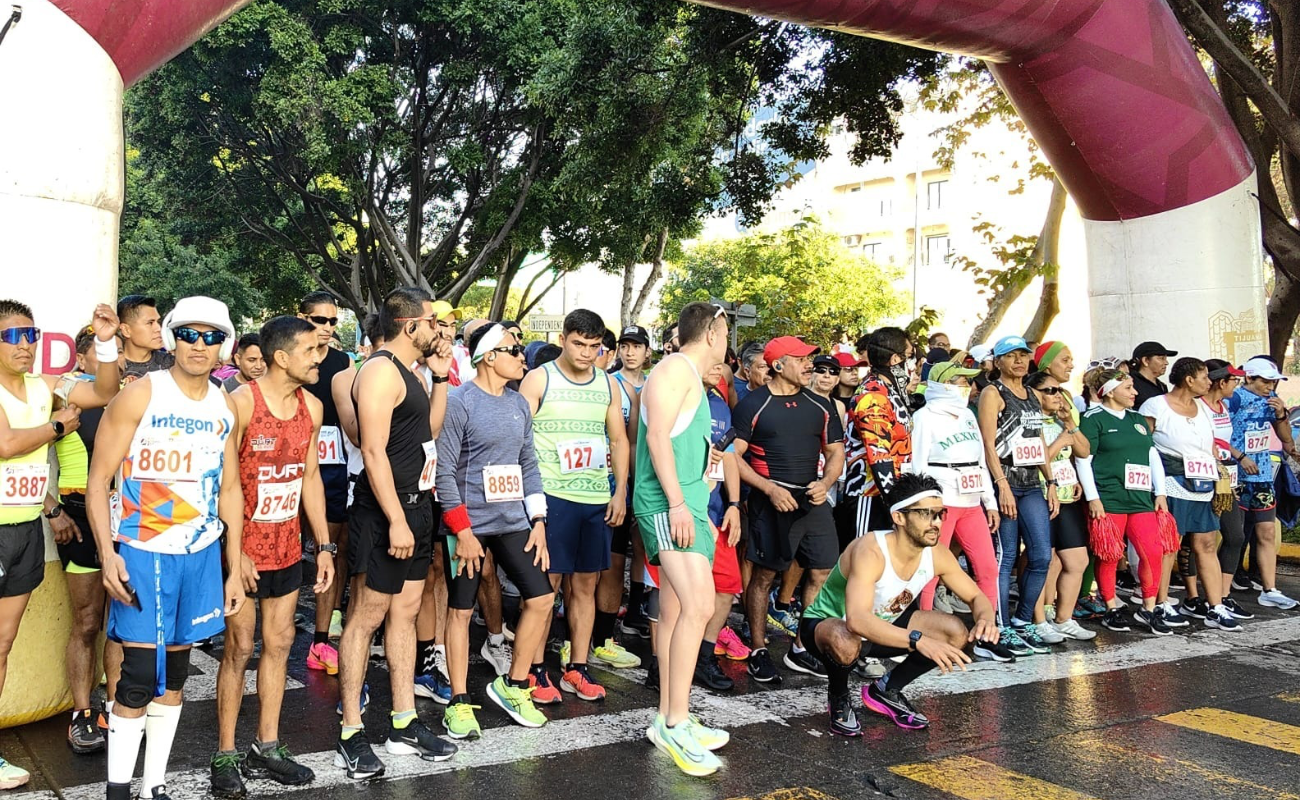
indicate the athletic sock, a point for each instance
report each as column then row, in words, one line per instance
column 795, row 648
column 160, row 730
column 913, row 667
column 401, row 719
column 603, row 628
column 266, row 747
column 424, row 657
column 124, row 735
column 495, row 639
column 320, row 637
column 781, row 606
column 348, row 731
column 837, row 676
column 517, row 684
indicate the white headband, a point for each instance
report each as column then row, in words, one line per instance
column 1111, row 385
column 902, row 504
column 490, row 340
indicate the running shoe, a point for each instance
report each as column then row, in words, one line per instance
column 730, row 646
column 941, row 603
column 577, row 680
column 434, row 688
column 1048, row 633
column 1073, row 630
column 1195, row 607
column 994, row 651
column 1009, row 638
column 804, row 662
column 518, row 703
column 680, row 744
column 84, row 736
column 498, row 655
column 336, row 625
column 322, row 655
column 843, row 721
column 377, row 645
column 761, row 668
column 417, row 740
column 440, row 662
column 1221, row 618
column 224, row 775
column 566, row 652
column 710, row 675
column 638, row 627
column 1151, row 621
column 1029, row 635
column 544, row 692
column 613, row 654
column 1236, row 609
column 1275, row 599
column 1116, row 619
column 783, row 619
column 868, row 669
column 1171, row 616
column 709, row 738
column 1094, row 605
column 1241, row 582
column 365, row 700
column 459, row 720
column 506, row 632
column 278, row 765
column 1255, row 583
column 1125, row 583
column 893, row 705
column 357, row 757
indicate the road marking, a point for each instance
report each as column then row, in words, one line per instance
column 973, row 779
column 1290, row 697
column 509, row 744
column 1242, row 727
column 796, row 793
column 203, row 686
column 1101, row 753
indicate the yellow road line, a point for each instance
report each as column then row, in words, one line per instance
column 972, row 779
column 1242, row 727
column 1290, row 697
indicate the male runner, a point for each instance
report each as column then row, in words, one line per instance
column 276, row 425
column 575, row 411
column 492, row 498
column 871, row 596
column 167, row 438
column 391, row 525
column 249, row 360
column 28, row 426
column 142, row 339
column 634, row 352
column 671, row 501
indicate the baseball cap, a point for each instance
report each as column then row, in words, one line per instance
column 981, row 352
column 441, row 308
column 1010, row 344
column 783, row 346
column 1148, row 349
column 200, row 310
column 824, row 360
column 945, row 371
column 937, row 354
column 1261, row 368
column 848, row 361
column 635, row 334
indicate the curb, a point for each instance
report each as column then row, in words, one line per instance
column 1289, row 552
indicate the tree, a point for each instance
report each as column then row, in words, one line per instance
column 804, row 280
column 154, row 262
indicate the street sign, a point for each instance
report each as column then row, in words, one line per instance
column 546, row 323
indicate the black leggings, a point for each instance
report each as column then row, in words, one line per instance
column 508, row 552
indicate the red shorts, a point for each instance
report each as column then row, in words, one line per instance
column 726, row 567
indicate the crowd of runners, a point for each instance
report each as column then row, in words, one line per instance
column 889, row 506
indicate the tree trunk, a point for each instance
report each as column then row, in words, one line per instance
column 1283, row 309
column 509, row 269
column 631, row 315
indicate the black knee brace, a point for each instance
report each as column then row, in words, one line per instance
column 139, row 675
column 178, row 669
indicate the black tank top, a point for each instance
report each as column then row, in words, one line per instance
column 406, row 435
column 334, row 363
column 1021, row 417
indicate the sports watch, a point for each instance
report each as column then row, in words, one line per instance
column 912, row 639
column 328, row 547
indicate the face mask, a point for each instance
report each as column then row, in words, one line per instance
column 900, row 374
column 963, row 392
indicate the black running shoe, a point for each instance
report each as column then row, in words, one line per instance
column 357, row 757
column 894, row 705
column 710, row 675
column 1195, row 607
column 159, row 793
column 993, row 651
column 118, row 791
column 226, row 780
column 843, row 721
column 761, row 667
column 278, row 765
column 1117, row 619
column 84, row 736
column 1236, row 609
column 635, row 626
column 804, row 662
column 1172, row 617
column 1152, row 621
column 417, row 740
column 1240, row 582
column 652, row 674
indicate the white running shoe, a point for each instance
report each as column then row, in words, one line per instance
column 1071, row 629
column 1275, row 599
column 1048, row 633
column 498, row 655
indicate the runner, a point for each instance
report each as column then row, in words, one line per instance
column 392, row 526
column 576, row 410
column 634, row 352
column 1224, row 379
column 276, row 427
column 671, row 506
column 167, row 438
column 248, row 360
column 870, row 597
column 492, row 498
column 142, row 337
column 1150, row 361
column 1124, row 482
column 754, row 370
column 850, row 377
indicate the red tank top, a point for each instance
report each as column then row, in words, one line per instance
column 272, row 461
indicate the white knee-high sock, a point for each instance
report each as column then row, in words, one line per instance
column 123, row 746
column 160, row 729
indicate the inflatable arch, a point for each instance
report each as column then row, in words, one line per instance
column 1110, row 89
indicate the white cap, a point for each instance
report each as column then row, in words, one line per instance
column 981, row 353
column 202, row 311
column 1262, row 368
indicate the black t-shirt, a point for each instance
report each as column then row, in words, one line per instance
column 786, row 433
column 158, row 360
column 1147, row 389
column 335, row 362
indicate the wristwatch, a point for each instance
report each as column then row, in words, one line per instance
column 328, row 547
column 734, row 504
column 438, row 378
column 541, row 519
column 55, row 513
column 912, row 639
column 58, row 427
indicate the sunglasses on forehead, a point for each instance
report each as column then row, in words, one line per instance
column 17, row 335
column 191, row 336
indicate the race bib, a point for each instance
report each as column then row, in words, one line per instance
column 1257, row 440
column 23, row 484
column 165, row 463
column 1233, row 474
column 329, row 446
column 577, row 455
column 1199, row 467
column 430, row 469
column 1028, row 452
column 1063, row 473
column 278, row 502
column 1137, row 477
column 714, row 472
column 503, row 483
column 970, row 480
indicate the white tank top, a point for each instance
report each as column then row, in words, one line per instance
column 893, row 594
column 24, row 480
column 167, row 496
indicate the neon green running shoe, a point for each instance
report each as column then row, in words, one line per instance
column 518, row 703
column 709, row 738
column 460, row 722
column 613, row 654
column 680, row 744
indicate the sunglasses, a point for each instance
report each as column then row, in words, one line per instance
column 19, row 335
column 927, row 514
column 1050, row 389
column 826, row 370
column 191, row 336
column 515, row 350
column 331, row 321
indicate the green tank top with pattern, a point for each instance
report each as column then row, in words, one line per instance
column 569, row 437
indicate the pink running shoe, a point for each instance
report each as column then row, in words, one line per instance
column 729, row 645
column 322, row 655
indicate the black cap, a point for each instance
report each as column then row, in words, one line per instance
column 827, row 361
column 1149, row 349
column 936, row 355
column 635, row 334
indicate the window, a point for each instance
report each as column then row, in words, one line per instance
column 855, row 190
column 886, row 207
column 934, row 192
column 872, row 250
column 938, row 249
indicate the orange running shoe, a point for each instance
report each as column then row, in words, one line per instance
column 577, row 681
column 544, row 692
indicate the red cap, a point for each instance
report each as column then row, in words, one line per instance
column 783, row 346
column 848, row 362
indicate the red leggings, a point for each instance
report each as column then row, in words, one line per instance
column 1144, row 532
column 972, row 529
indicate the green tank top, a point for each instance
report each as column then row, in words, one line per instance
column 74, row 463
column 690, row 455
column 829, row 603
column 569, row 437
